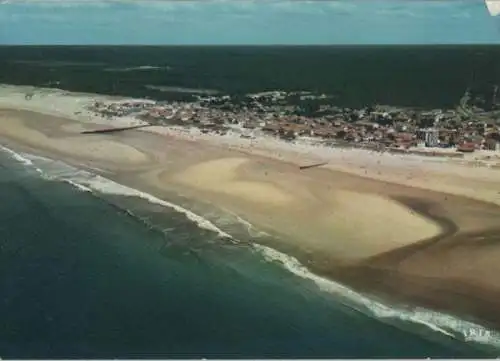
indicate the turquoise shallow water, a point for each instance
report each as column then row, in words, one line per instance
column 94, row 275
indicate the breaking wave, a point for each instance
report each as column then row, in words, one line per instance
column 138, row 68
column 447, row 325
column 20, row 158
column 176, row 89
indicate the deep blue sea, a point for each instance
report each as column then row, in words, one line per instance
column 92, row 269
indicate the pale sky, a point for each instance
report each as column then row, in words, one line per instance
column 253, row 22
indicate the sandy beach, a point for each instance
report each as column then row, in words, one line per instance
column 416, row 231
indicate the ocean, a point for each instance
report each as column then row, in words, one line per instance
column 420, row 76
column 93, row 269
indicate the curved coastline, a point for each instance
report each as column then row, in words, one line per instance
column 371, row 307
column 357, row 268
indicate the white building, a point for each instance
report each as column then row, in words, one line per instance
column 430, row 136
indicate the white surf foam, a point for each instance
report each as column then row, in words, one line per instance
column 138, row 68
column 107, row 186
column 87, row 181
column 78, row 186
column 57, row 172
column 436, row 321
column 20, row 158
column 439, row 322
column 250, row 228
column 178, row 89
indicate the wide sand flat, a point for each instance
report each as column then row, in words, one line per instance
column 221, row 176
column 411, row 237
column 90, row 147
column 450, row 176
column 349, row 224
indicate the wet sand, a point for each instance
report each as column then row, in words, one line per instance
column 412, row 244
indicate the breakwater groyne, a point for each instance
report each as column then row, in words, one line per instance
column 114, row 130
column 312, row 165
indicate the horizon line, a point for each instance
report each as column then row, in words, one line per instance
column 249, row 45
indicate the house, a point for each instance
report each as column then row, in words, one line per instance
column 466, row 147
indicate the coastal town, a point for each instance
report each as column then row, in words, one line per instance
column 474, row 124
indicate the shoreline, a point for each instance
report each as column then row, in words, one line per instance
column 396, row 262
column 416, row 320
column 371, row 304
